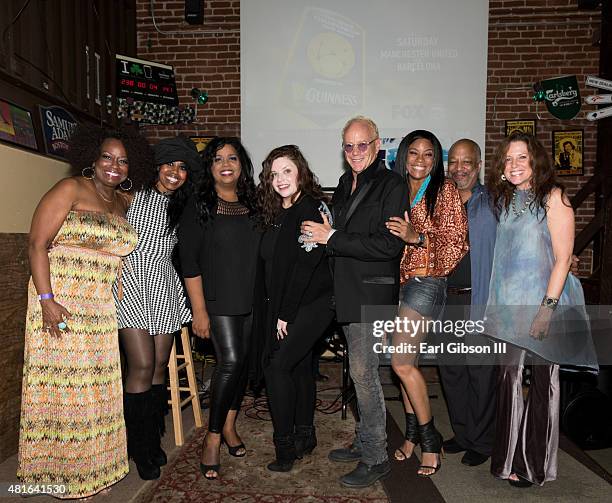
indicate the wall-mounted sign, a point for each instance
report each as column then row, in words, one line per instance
column 16, row 125
column 599, row 99
column 527, row 126
column 57, row 127
column 562, row 96
column 567, row 152
column 145, row 81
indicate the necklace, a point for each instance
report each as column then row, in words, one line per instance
column 102, row 196
column 528, row 201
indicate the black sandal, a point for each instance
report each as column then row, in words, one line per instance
column 431, row 443
column 233, row 450
column 210, row 468
column 412, row 435
column 521, row 482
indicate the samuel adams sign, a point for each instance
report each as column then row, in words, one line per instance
column 57, row 126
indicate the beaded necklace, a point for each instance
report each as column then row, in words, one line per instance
column 528, row 201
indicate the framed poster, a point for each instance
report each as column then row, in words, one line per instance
column 16, row 125
column 201, row 141
column 567, row 152
column 526, row 126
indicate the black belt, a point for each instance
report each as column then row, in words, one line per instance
column 453, row 290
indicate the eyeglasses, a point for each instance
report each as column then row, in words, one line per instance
column 361, row 147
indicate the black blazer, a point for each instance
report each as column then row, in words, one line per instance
column 366, row 256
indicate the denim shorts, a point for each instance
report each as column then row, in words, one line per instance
column 424, row 294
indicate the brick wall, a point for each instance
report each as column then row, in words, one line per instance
column 532, row 40
column 204, row 56
column 529, row 40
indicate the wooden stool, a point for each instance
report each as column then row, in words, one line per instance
column 175, row 389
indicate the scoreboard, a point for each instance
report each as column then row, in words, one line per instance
column 145, row 81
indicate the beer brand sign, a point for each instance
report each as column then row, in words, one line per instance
column 57, row 127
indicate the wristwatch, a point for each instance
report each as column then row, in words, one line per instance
column 421, row 242
column 550, row 302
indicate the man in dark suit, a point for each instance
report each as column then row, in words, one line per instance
column 365, row 257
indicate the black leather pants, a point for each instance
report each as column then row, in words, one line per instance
column 230, row 336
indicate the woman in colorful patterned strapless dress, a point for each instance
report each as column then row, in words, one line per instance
column 72, row 431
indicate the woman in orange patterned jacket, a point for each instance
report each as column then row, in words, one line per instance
column 435, row 233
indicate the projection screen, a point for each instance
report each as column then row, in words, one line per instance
column 309, row 66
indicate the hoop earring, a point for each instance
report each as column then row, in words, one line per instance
column 503, row 177
column 93, row 172
column 124, row 188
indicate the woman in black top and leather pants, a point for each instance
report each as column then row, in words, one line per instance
column 299, row 291
column 218, row 246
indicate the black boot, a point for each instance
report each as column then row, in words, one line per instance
column 305, row 440
column 140, row 430
column 412, row 435
column 285, row 453
column 431, row 441
column 160, row 404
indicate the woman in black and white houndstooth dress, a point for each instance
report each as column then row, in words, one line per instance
column 151, row 303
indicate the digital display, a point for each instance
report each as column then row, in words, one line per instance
column 145, row 81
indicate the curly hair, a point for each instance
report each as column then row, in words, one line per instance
column 206, row 195
column 437, row 171
column 84, row 150
column 269, row 201
column 543, row 179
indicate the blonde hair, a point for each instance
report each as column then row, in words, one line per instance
column 361, row 118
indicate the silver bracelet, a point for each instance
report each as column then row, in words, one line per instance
column 550, row 302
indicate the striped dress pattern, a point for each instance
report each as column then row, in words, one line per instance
column 153, row 296
column 72, row 431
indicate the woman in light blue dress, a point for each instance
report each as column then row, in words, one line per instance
column 535, row 305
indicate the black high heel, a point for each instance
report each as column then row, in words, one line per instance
column 412, row 435
column 233, row 450
column 521, row 482
column 431, row 443
column 209, row 468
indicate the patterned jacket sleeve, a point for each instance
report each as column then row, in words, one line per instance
column 447, row 237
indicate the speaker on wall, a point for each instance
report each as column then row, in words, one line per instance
column 194, row 11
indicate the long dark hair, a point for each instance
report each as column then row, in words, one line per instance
column 206, row 195
column 543, row 179
column 437, row 170
column 269, row 202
